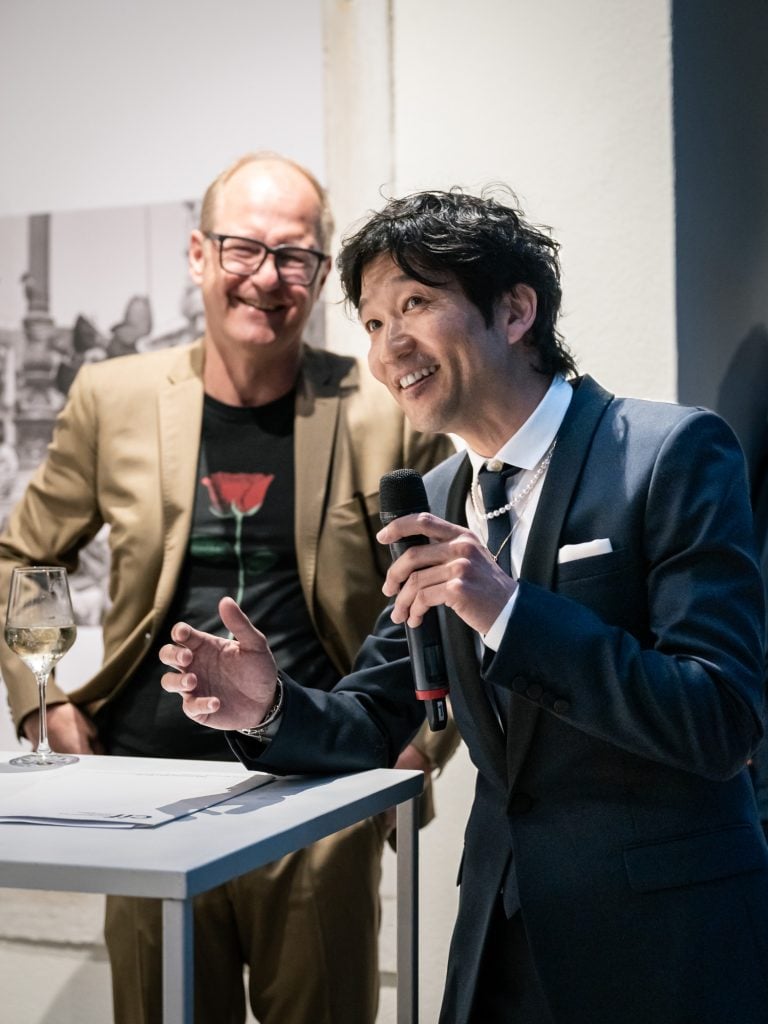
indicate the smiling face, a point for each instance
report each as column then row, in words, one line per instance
column 258, row 317
column 448, row 370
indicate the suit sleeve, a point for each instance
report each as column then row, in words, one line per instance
column 57, row 515
column 687, row 690
column 364, row 722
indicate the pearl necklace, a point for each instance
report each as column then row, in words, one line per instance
column 538, row 472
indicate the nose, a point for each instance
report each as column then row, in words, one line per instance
column 266, row 276
column 398, row 343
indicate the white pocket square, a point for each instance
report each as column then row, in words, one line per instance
column 590, row 548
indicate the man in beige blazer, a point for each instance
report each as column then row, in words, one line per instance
column 245, row 461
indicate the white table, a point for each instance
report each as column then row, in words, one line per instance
column 190, row 855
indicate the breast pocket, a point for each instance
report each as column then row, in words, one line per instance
column 608, row 584
column 594, row 566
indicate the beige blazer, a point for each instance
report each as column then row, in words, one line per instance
column 125, row 452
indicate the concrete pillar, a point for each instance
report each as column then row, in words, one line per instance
column 358, row 132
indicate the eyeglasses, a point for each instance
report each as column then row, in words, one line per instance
column 244, row 256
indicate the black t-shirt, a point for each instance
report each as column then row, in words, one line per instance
column 241, row 544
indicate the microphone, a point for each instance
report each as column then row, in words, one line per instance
column 400, row 494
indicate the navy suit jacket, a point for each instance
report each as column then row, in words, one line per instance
column 616, row 798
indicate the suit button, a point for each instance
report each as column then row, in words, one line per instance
column 148, row 636
column 518, row 682
column 534, row 691
column 520, row 803
column 561, row 707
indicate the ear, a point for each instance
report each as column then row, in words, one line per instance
column 325, row 270
column 520, row 310
column 196, row 256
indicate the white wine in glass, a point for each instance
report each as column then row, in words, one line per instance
column 40, row 629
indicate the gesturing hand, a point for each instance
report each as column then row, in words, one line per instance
column 456, row 571
column 224, row 684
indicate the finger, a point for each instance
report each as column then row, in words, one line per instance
column 415, row 560
column 240, row 626
column 175, row 682
column 427, row 597
column 413, row 610
column 188, row 636
column 422, row 523
column 476, row 596
column 407, row 601
column 450, row 558
column 199, row 708
column 461, row 548
column 175, row 657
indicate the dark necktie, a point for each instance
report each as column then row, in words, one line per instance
column 493, row 487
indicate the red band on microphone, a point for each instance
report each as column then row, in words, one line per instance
column 432, row 694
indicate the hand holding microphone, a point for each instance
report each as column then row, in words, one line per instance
column 402, row 493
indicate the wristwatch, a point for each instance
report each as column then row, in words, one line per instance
column 262, row 731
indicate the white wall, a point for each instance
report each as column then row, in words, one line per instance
column 570, row 104
column 106, row 103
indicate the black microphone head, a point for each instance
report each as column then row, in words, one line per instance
column 401, row 493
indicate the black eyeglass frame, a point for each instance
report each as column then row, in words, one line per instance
column 268, row 250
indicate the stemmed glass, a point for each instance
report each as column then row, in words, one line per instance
column 40, row 629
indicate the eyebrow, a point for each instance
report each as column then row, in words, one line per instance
column 400, row 279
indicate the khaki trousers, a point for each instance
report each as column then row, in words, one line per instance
column 306, row 926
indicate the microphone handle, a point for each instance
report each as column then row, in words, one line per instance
column 426, row 650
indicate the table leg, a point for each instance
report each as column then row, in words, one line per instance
column 407, row 913
column 178, row 963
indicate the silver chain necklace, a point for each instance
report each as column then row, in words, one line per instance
column 538, row 471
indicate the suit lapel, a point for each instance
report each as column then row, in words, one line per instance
column 573, row 442
column 317, row 413
column 180, row 416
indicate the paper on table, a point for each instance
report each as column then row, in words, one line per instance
column 149, row 793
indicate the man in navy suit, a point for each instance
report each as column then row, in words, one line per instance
column 601, row 610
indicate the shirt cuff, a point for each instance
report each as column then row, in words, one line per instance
column 492, row 639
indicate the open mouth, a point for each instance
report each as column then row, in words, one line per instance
column 415, row 376
column 262, row 307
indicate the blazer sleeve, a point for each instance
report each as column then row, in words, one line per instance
column 685, row 689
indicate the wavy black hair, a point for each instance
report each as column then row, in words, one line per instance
column 485, row 245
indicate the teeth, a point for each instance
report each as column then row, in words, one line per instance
column 256, row 305
column 416, row 375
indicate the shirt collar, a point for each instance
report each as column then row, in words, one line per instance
column 529, row 443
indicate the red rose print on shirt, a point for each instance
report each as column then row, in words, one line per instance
column 235, row 496
column 233, row 493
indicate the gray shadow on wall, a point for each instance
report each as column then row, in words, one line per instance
column 742, row 398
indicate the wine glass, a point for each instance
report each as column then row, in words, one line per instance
column 40, row 629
